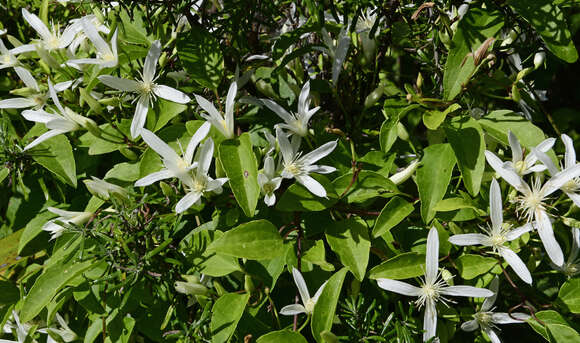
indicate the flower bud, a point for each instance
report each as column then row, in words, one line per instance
column 404, row 174
column 539, row 59
column 372, row 98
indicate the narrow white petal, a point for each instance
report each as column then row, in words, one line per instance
column 548, row 239
column 504, row 318
column 495, row 205
column 54, row 97
column 114, row 43
column 62, row 86
column 151, row 61
column 535, row 169
column 36, row 24
column 17, row 103
column 154, row 177
column 546, row 160
column 399, row 287
column 42, row 138
column 23, row 48
column 319, row 292
column 340, row 54
column 159, row 146
column 575, row 197
column 171, row 94
column 320, row 169
column 290, row 310
column 230, row 100
column 279, row 110
column 560, row 179
column 78, row 61
column 27, row 78
column 470, row 325
column 432, row 256
column 517, row 154
column 575, row 244
column 467, row 291
column 209, row 108
column 489, row 301
column 518, row 266
column 517, row 232
column 119, row 83
column 303, row 99
column 285, row 147
column 39, row 116
column 205, row 157
column 91, row 32
column 570, row 155
column 509, row 175
column 301, row 285
column 469, row 239
column 312, row 185
column 67, row 37
column 63, row 213
column 320, row 152
column 187, row 201
column 216, row 185
column 197, row 137
column 270, row 199
column 62, row 124
column 430, row 320
column 269, row 167
column 493, row 337
column 140, row 116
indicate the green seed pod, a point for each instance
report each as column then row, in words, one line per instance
column 375, row 95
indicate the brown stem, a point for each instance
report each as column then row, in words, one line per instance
column 354, row 177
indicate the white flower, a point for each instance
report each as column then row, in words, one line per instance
column 572, row 265
column 35, row 98
column 81, row 36
column 531, row 203
column 107, row 56
column 296, row 123
column 268, row 181
column 147, row 89
column 8, row 57
column 224, row 125
column 497, row 235
column 58, row 123
column 175, row 165
column 67, row 217
column 202, row 183
column 572, row 187
column 486, row 319
column 433, row 287
column 405, row 174
column 337, row 52
column 525, row 166
column 50, row 40
column 307, row 302
column 106, row 190
column 298, row 167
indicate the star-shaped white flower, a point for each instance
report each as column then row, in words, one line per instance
column 433, row 287
column 224, row 125
column 50, row 40
column 307, row 302
column 296, row 166
column 175, row 165
column 81, row 36
column 67, row 217
column 296, row 123
column 523, row 166
column 107, row 56
column 268, row 181
column 8, row 57
column 531, row 204
column 497, row 235
column 146, row 89
column 65, row 120
column 336, row 51
column 487, row 320
column 572, row 187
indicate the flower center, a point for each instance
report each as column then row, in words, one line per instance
column 39, row 99
column 199, row 185
column 497, row 240
column 570, row 186
column 109, row 58
column 483, row 318
column 520, row 167
column 146, row 87
column 6, row 59
column 309, row 306
column 268, row 188
column 53, row 43
column 293, row 168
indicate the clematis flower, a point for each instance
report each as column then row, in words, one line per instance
column 175, row 165
column 35, row 98
column 269, row 182
column 307, row 302
column 146, row 89
column 202, row 182
column 80, row 34
column 531, row 204
column 224, row 125
column 405, row 173
column 105, row 190
column 433, row 287
column 299, row 167
column 296, row 123
column 107, row 56
column 525, row 166
column 67, row 217
column 336, row 51
column 8, row 57
column 65, row 120
column 497, row 235
column 487, row 320
column 572, row 187
column 50, row 40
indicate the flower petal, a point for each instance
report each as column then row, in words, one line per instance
column 432, row 256
column 469, row 239
column 17, row 103
column 548, row 239
column 467, row 291
column 517, row 154
column 291, row 310
column 154, row 177
column 320, row 169
column 171, row 94
column 493, row 337
column 91, row 32
column 285, row 147
column 471, row 325
column 197, row 137
column 303, row 99
column 399, row 287
column 489, row 301
column 230, row 100
column 312, row 185
column 495, row 205
column 27, row 78
column 560, row 179
column 320, row 152
column 430, row 320
column 570, row 155
column 517, row 232
column 518, row 266
column 546, row 160
column 205, row 157
column 319, row 292
column 159, row 146
column 36, row 24
column 187, row 201
column 301, row 285
column 270, row 199
column 150, row 64
column 508, row 175
column 279, row 110
column 138, row 122
column 42, row 138
column 505, row 318
column 119, row 83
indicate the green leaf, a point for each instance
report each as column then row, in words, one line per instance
column 49, row 284
column 126, row 172
column 432, row 119
column 498, row 123
column 323, row 314
column 33, row 229
column 239, row 163
column 570, row 295
column 201, row 56
column 556, row 328
column 550, row 22
column 471, row 266
column 9, row 293
column 456, row 203
column 98, row 146
column 285, row 336
column 402, row 266
column 56, row 155
column 255, row 240
column 210, row 263
column 388, row 133
column 316, row 254
column 368, row 185
column 227, row 311
column 133, row 28
column 433, row 177
column 298, row 198
column 392, row 214
column 466, row 138
column 473, row 29
column 349, row 239
column 165, row 111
